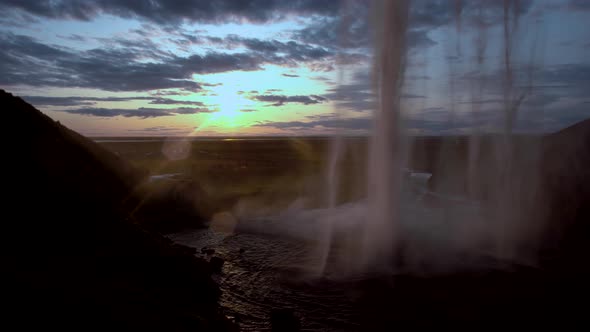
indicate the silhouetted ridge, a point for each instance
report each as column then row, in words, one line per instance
column 566, row 191
column 71, row 257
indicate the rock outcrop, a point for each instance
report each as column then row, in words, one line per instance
column 73, row 257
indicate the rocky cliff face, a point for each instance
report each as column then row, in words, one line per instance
column 565, row 197
column 72, row 255
column 547, row 182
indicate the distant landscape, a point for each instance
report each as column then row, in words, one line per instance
column 269, row 173
column 263, row 175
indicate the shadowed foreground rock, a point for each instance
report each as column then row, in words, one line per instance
column 71, row 256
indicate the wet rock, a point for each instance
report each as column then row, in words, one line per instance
column 216, row 263
column 284, row 320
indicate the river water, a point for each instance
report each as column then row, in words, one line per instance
column 277, row 262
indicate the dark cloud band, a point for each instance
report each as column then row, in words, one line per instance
column 85, row 101
column 174, row 12
column 279, row 100
column 142, row 112
column 122, row 69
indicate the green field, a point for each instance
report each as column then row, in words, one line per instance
column 258, row 176
column 254, row 176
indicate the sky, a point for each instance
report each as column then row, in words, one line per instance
column 293, row 67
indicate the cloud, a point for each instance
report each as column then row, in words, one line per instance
column 335, row 24
column 143, row 48
column 166, row 101
column 110, row 71
column 279, row 100
column 17, row 19
column 581, row 5
column 86, row 101
column 188, row 110
column 174, row 12
column 57, row 101
column 158, row 93
column 290, row 75
column 73, row 37
column 358, row 95
column 546, row 85
column 248, row 110
column 355, row 96
column 429, row 14
column 568, row 74
column 26, row 61
column 351, row 29
column 252, row 92
column 141, row 112
column 77, row 101
column 274, row 51
column 348, row 29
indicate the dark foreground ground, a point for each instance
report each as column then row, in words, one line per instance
column 81, row 248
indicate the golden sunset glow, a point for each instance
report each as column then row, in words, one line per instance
column 228, row 104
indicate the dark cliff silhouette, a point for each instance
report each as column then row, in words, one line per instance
column 565, row 194
column 549, row 179
column 72, row 256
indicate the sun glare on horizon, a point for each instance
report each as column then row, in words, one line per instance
column 228, row 104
